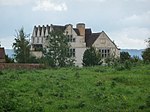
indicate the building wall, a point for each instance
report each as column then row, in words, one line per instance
column 79, row 56
column 79, row 45
column 104, row 42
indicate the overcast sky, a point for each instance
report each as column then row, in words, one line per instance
column 127, row 22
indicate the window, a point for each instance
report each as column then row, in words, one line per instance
column 71, row 38
column 104, row 53
column 38, row 47
column 71, row 52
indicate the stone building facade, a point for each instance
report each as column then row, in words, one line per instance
column 80, row 38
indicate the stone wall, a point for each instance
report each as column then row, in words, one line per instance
column 20, row 66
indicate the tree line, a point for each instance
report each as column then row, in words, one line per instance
column 56, row 53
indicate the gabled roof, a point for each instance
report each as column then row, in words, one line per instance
column 111, row 40
column 58, row 28
column 88, row 31
column 90, row 39
column 77, row 31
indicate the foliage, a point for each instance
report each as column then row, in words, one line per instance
column 88, row 89
column 8, row 59
column 110, row 60
column 56, row 53
column 124, row 56
column 146, row 55
column 148, row 42
column 135, row 59
column 91, row 57
column 146, row 52
column 21, row 47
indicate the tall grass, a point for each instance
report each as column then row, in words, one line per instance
column 90, row 89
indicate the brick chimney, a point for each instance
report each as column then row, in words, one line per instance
column 81, row 28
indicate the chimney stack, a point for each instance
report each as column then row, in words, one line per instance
column 81, row 28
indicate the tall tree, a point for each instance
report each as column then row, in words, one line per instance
column 148, row 42
column 56, row 53
column 146, row 52
column 21, row 47
column 91, row 57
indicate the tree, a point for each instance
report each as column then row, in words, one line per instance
column 56, row 53
column 146, row 52
column 148, row 42
column 124, row 56
column 91, row 57
column 21, row 47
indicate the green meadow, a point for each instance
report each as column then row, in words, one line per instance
column 89, row 89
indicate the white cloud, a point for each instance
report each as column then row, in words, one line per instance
column 13, row 2
column 7, row 42
column 127, row 42
column 49, row 5
column 133, row 37
column 137, row 19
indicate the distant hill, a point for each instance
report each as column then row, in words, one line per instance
column 132, row 52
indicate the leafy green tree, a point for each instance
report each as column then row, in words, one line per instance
column 146, row 52
column 146, row 55
column 91, row 57
column 124, row 56
column 21, row 47
column 56, row 53
column 148, row 42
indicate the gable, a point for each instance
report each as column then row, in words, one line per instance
column 104, row 41
column 91, row 39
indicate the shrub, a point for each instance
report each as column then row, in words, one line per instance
column 91, row 57
column 119, row 66
column 127, row 65
column 146, row 55
column 124, row 56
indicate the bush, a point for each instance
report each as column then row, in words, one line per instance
column 91, row 57
column 119, row 66
column 146, row 55
column 124, row 56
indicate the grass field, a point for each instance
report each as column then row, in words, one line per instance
column 91, row 89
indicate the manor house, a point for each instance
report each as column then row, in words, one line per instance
column 80, row 38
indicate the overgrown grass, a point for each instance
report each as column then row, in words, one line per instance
column 91, row 89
